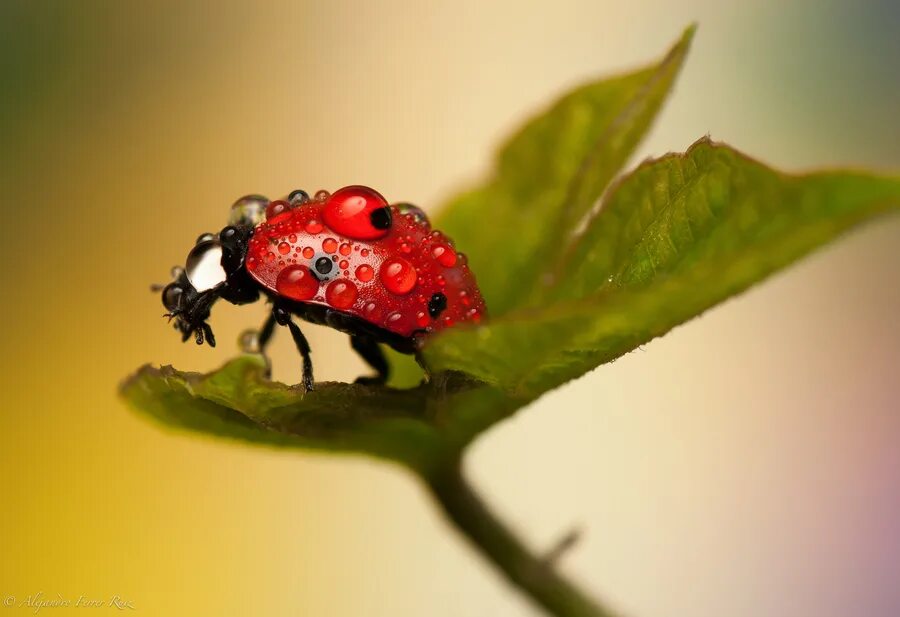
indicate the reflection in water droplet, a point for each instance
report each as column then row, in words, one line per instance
column 248, row 210
column 313, row 227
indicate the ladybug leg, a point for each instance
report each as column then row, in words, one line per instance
column 370, row 351
column 283, row 318
column 265, row 333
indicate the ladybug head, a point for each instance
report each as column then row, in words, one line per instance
column 213, row 269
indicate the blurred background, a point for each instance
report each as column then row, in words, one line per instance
column 747, row 464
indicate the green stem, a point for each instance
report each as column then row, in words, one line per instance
column 534, row 576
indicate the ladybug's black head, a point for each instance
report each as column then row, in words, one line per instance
column 214, row 269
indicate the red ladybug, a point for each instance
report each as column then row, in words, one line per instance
column 349, row 260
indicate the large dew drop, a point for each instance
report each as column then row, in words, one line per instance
column 204, row 265
column 248, row 210
column 341, row 294
column 297, row 282
column 398, row 275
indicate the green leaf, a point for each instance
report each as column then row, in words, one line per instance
column 548, row 176
column 672, row 239
column 418, row 427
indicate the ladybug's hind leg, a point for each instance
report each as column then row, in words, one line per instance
column 371, row 352
column 283, row 318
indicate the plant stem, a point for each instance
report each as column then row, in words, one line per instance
column 534, row 576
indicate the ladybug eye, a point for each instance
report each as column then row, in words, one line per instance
column 323, row 267
column 204, row 265
column 171, row 297
column 248, row 210
column 358, row 212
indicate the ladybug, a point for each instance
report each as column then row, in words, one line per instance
column 348, row 260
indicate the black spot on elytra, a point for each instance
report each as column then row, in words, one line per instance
column 437, row 304
column 381, row 218
column 323, row 266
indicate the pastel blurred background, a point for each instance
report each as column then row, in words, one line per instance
column 747, row 464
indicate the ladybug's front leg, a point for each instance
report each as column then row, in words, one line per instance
column 283, row 318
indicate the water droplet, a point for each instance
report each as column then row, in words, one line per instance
column 298, row 197
column 398, row 275
column 369, row 308
column 248, row 341
column 422, row 319
column 297, row 283
column 270, row 258
column 313, row 226
column 405, row 248
column 441, row 281
column 414, row 214
column 251, row 263
column 444, row 254
column 341, row 294
column 277, row 209
column 248, row 210
column 364, row 252
column 357, row 212
column 344, row 264
column 365, row 273
column 284, row 248
column 344, row 249
column 322, row 195
column 308, row 252
column 329, row 245
column 394, row 317
column 292, row 238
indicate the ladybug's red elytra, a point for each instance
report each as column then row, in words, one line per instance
column 348, row 259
